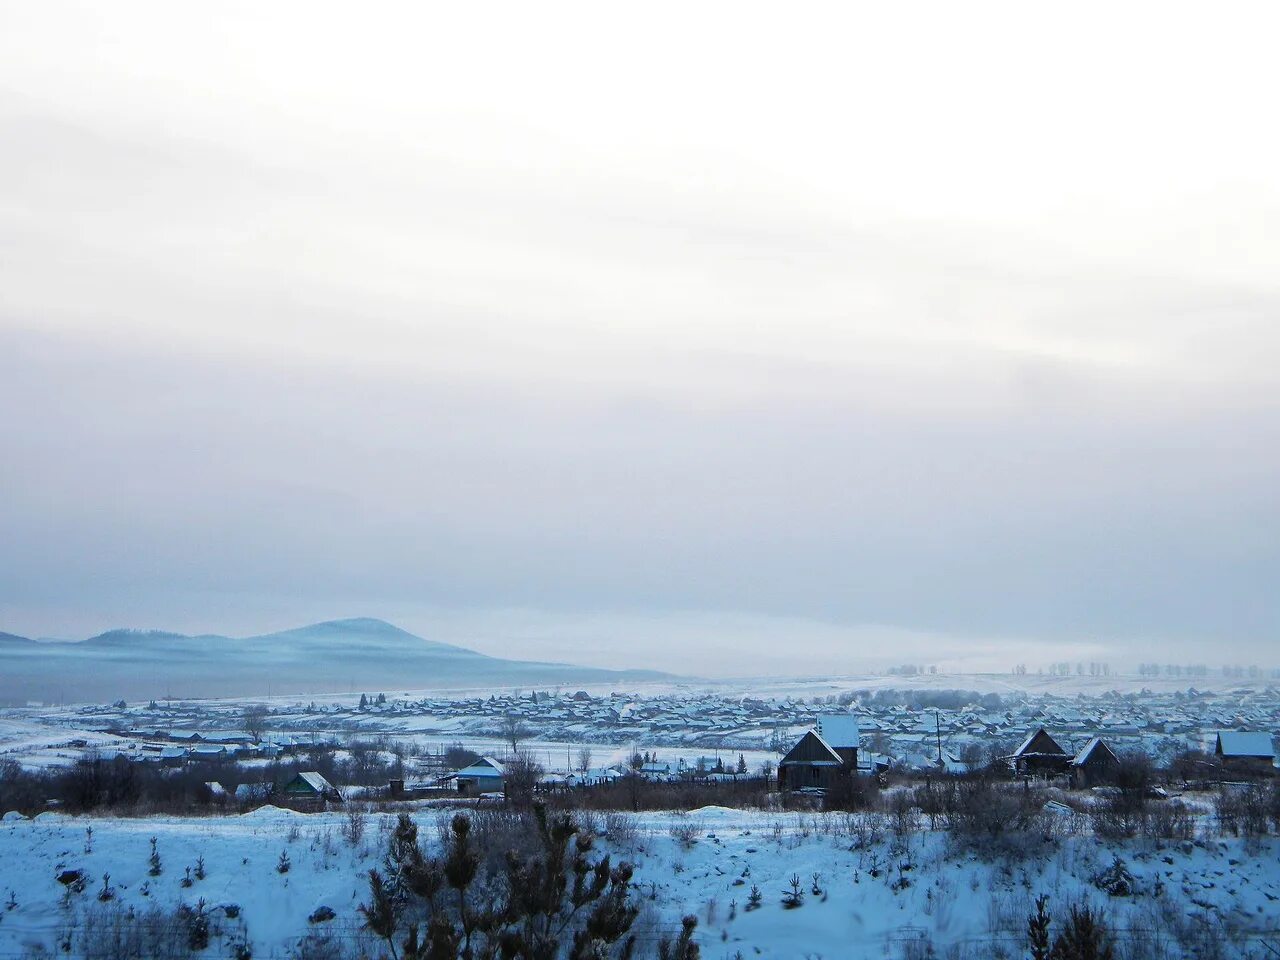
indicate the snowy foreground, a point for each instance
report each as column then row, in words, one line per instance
column 880, row 895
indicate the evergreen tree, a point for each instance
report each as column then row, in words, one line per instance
column 557, row 903
column 403, row 854
column 1038, row 930
column 381, row 915
column 684, row 948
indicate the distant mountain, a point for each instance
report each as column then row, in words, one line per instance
column 337, row 656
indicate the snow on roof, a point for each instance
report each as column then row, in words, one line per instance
column 838, row 730
column 316, row 782
column 484, row 767
column 1089, row 747
column 1026, row 744
column 1245, row 744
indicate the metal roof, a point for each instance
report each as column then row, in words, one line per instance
column 1245, row 744
column 839, row 730
column 484, row 767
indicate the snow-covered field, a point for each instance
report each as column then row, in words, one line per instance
column 880, row 895
column 37, row 743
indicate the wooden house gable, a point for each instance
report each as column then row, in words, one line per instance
column 1040, row 743
column 811, row 748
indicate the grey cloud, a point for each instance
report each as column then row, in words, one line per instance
column 280, row 344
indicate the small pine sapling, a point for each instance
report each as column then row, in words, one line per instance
column 106, row 893
column 795, row 896
column 283, row 864
column 88, row 839
column 755, row 899
column 154, row 860
column 197, row 926
column 186, row 880
column 200, row 867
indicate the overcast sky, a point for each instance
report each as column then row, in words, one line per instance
column 719, row 338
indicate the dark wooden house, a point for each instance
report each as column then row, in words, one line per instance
column 812, row 763
column 1246, row 751
column 1094, row 766
column 1039, row 756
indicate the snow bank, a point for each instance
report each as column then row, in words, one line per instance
column 713, row 813
column 270, row 813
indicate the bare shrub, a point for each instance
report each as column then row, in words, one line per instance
column 327, row 946
column 621, row 831
column 354, row 824
column 990, row 819
column 866, row 829
column 686, row 833
column 495, row 831
column 112, row 932
column 1170, row 820
column 902, row 810
column 635, row 793
column 852, row 793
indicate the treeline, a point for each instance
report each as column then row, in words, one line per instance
column 986, row 811
column 118, row 784
column 1234, row 671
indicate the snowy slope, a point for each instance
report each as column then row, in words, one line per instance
column 921, row 892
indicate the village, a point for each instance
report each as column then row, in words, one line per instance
column 939, row 816
column 433, row 745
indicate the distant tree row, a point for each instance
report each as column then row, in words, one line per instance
column 911, row 670
column 1173, row 670
column 1065, row 669
column 1253, row 671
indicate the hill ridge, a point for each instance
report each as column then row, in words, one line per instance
column 330, row 656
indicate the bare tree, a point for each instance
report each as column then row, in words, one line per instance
column 584, row 759
column 254, row 721
column 457, row 756
column 514, row 731
column 520, row 776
